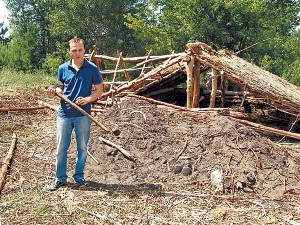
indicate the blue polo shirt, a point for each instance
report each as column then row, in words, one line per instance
column 76, row 84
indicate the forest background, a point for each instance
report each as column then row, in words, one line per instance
column 40, row 30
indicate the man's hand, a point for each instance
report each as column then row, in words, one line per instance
column 82, row 100
column 51, row 91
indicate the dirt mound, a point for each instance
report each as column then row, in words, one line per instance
column 207, row 142
column 169, row 147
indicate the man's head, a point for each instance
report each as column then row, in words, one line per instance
column 76, row 48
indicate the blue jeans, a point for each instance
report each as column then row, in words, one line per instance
column 64, row 128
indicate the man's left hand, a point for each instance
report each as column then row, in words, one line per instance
column 82, row 101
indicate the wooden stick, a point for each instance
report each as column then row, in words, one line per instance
column 93, row 157
column 7, row 161
column 20, row 109
column 214, row 88
column 123, row 65
column 269, row 129
column 189, row 83
column 123, row 151
column 82, row 111
column 252, row 46
column 48, row 105
column 196, row 84
column 182, row 151
column 179, row 107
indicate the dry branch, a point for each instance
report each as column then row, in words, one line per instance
column 123, row 151
column 20, row 109
column 269, row 129
column 7, row 161
column 48, row 105
column 182, row 151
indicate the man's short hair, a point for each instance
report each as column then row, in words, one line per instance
column 75, row 40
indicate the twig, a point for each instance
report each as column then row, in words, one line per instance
column 257, row 159
column 93, row 157
column 126, row 153
column 182, row 151
column 252, row 45
column 48, row 105
column 140, row 113
column 140, row 128
column 231, row 178
column 98, row 216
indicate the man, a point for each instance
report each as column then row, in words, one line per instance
column 77, row 76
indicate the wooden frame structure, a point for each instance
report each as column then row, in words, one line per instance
column 189, row 65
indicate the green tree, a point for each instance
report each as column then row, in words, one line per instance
column 232, row 24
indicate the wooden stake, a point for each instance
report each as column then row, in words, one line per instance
column 123, row 65
column 196, row 84
column 189, row 82
column 7, row 161
column 214, row 88
column 223, row 88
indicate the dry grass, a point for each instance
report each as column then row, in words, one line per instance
column 25, row 199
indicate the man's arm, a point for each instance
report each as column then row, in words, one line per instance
column 93, row 97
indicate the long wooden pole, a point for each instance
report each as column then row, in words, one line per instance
column 20, row 109
column 82, row 111
column 7, row 161
column 269, row 129
column 196, row 84
column 189, row 82
column 214, row 88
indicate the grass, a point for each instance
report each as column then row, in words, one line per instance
column 13, row 79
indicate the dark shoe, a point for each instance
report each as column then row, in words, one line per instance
column 57, row 184
column 81, row 182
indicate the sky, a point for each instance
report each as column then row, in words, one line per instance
column 3, row 13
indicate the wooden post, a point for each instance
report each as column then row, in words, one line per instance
column 123, row 65
column 144, row 66
column 196, row 84
column 98, row 62
column 189, row 82
column 223, row 88
column 7, row 161
column 214, row 87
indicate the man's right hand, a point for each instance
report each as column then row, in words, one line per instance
column 51, row 91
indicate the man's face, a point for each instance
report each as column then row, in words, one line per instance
column 77, row 51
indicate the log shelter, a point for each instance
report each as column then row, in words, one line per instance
column 161, row 81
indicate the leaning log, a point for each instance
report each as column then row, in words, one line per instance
column 263, row 128
column 6, row 162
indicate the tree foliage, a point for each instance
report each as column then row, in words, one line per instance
column 42, row 28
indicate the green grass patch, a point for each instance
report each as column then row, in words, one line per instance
column 14, row 79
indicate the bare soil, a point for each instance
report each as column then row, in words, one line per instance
column 175, row 154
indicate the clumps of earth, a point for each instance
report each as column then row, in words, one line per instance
column 176, row 147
